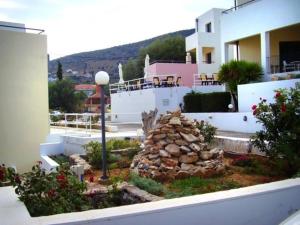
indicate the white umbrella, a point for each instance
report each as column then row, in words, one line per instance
column 121, row 81
column 147, row 64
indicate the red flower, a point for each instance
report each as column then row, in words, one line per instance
column 17, row 179
column 51, row 193
column 91, row 179
column 254, row 112
column 283, row 108
column 60, row 178
column 254, row 107
column 1, row 175
column 278, row 94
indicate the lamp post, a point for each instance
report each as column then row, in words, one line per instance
column 102, row 79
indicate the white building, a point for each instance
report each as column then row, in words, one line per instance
column 262, row 31
column 23, row 95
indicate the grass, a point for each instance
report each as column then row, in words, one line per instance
column 147, row 184
column 60, row 159
column 197, row 185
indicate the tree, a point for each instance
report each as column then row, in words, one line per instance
column 59, row 72
column 62, row 96
column 169, row 48
column 239, row 72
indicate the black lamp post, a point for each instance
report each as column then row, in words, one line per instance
column 102, row 79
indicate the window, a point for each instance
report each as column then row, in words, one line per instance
column 208, row 27
column 208, row 58
column 197, row 25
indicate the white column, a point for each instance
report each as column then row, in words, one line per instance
column 265, row 54
column 225, row 53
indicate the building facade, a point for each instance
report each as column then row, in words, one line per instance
column 262, row 31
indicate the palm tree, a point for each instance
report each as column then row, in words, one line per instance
column 235, row 72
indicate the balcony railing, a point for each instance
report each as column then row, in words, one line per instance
column 236, row 7
column 167, row 61
column 23, row 28
column 204, row 79
column 275, row 65
column 152, row 81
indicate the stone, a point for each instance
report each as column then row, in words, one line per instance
column 158, row 137
column 153, row 156
column 188, row 158
column 182, row 174
column 163, row 143
column 169, row 141
column 180, row 142
column 173, row 136
column 205, row 155
column 195, row 147
column 199, row 171
column 189, row 137
column 203, row 146
column 185, row 149
column 167, row 130
column 187, row 167
column 175, row 121
column 173, row 149
column 164, row 153
column 170, row 162
column 165, row 167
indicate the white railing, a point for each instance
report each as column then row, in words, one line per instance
column 90, row 121
column 208, row 80
column 152, row 81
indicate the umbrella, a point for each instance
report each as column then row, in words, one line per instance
column 121, row 81
column 147, row 64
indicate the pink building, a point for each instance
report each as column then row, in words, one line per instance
column 184, row 70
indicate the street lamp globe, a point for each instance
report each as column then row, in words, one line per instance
column 101, row 78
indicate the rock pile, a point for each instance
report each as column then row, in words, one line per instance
column 175, row 149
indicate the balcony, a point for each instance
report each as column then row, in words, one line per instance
column 191, row 42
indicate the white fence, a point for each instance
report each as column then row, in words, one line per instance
column 90, row 121
column 263, row 204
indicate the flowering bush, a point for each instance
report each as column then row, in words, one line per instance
column 6, row 173
column 243, row 161
column 208, row 131
column 50, row 193
column 280, row 137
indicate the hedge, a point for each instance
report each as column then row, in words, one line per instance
column 208, row 102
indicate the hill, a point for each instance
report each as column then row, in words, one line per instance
column 81, row 67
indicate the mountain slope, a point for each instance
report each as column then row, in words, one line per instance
column 81, row 67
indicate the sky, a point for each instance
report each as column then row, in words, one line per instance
column 74, row 26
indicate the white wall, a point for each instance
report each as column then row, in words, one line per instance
column 128, row 106
column 228, row 121
column 132, row 103
column 23, row 97
column 249, row 94
column 264, row 204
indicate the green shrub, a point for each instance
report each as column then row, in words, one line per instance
column 147, row 184
column 115, row 144
column 208, row 102
column 94, row 154
column 94, row 151
column 50, row 193
column 279, row 138
column 208, row 131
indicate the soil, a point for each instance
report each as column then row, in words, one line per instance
column 233, row 173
